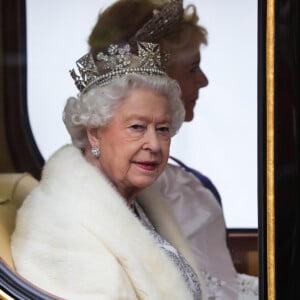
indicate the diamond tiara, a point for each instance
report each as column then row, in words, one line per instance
column 118, row 62
column 161, row 23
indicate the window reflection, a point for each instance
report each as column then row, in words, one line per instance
column 223, row 135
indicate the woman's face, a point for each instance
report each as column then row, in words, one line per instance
column 190, row 77
column 135, row 144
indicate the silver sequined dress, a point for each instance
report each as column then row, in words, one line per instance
column 185, row 269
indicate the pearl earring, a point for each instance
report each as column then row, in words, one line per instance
column 95, row 151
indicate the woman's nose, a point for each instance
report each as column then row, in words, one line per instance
column 202, row 80
column 151, row 141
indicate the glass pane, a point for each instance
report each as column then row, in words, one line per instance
column 222, row 139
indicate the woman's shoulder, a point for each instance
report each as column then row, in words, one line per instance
column 176, row 174
column 182, row 189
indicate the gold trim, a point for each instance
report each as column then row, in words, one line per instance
column 270, row 149
column 4, row 296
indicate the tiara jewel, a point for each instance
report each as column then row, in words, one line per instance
column 119, row 57
column 118, row 61
column 161, row 23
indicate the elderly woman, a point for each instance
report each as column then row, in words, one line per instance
column 194, row 200
column 81, row 233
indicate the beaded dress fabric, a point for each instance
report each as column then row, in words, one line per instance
column 185, row 269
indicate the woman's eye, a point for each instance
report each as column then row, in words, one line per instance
column 195, row 69
column 163, row 129
column 137, row 127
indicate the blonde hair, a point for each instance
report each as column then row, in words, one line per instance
column 119, row 22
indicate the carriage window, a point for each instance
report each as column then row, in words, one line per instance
column 221, row 141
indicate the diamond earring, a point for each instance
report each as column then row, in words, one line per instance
column 95, row 151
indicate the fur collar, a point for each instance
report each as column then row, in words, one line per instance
column 75, row 191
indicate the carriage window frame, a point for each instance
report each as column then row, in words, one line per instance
column 26, row 155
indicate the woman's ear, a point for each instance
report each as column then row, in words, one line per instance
column 93, row 136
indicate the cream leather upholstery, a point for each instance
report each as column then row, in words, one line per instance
column 14, row 187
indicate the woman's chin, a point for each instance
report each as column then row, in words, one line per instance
column 189, row 117
column 142, row 184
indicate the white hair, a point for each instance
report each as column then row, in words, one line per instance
column 96, row 107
